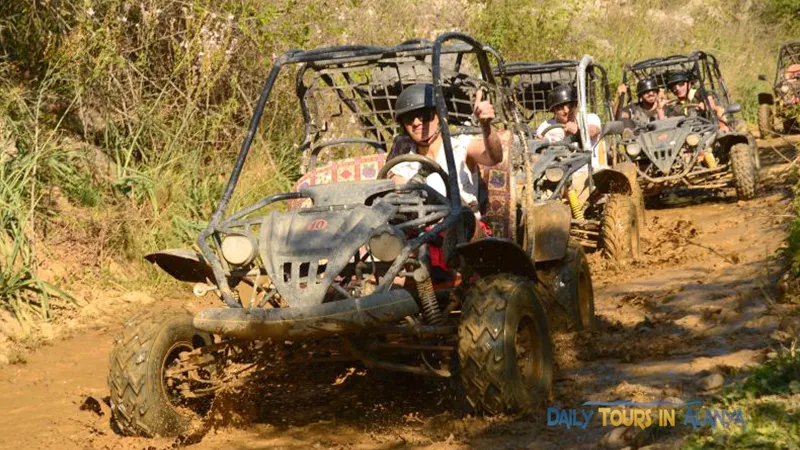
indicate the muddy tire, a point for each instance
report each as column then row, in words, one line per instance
column 638, row 201
column 765, row 127
column 504, row 349
column 148, row 343
column 744, row 171
column 619, row 232
column 567, row 292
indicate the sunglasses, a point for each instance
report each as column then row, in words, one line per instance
column 424, row 115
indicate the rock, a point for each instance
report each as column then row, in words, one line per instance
column 4, row 359
column 138, row 297
column 711, row 382
column 614, row 438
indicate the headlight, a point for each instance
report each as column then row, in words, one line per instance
column 693, row 139
column 633, row 150
column 784, row 89
column 554, row 174
column 238, row 249
column 386, row 244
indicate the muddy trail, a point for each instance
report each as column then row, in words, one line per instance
column 698, row 305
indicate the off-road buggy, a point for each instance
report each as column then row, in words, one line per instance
column 349, row 260
column 691, row 151
column 782, row 105
column 612, row 214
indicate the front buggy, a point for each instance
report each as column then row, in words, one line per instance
column 782, row 105
column 610, row 217
column 350, row 258
column 691, row 151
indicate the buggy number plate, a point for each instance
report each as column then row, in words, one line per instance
column 318, row 224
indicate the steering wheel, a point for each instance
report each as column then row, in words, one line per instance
column 555, row 126
column 427, row 167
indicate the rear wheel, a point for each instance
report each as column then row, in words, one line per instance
column 143, row 400
column 744, row 171
column 619, row 233
column 765, row 127
column 567, row 291
column 504, row 349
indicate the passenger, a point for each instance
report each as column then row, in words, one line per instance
column 415, row 111
column 686, row 102
column 562, row 102
column 650, row 106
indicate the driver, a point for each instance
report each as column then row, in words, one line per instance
column 650, row 106
column 680, row 83
column 562, row 102
column 415, row 111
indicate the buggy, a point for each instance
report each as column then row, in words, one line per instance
column 691, row 151
column 782, row 105
column 612, row 214
column 349, row 260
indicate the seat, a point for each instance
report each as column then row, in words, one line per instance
column 500, row 212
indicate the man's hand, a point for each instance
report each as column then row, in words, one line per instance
column 483, row 109
column 571, row 128
column 622, row 89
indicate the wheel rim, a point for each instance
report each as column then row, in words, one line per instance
column 585, row 298
column 528, row 352
column 172, row 393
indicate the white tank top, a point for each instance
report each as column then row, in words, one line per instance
column 468, row 181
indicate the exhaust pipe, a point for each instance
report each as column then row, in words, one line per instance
column 339, row 317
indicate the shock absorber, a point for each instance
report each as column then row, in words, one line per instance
column 709, row 159
column 430, row 307
column 575, row 205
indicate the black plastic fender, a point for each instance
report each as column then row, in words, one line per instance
column 495, row 255
column 182, row 264
column 615, row 181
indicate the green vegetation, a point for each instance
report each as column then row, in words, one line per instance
column 119, row 120
column 770, row 401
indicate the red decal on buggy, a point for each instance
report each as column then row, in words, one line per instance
column 317, row 225
column 663, row 137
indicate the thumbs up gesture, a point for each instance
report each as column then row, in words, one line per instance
column 483, row 109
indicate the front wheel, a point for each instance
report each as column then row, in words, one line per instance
column 619, row 233
column 504, row 349
column 567, row 287
column 744, row 171
column 765, row 127
column 143, row 400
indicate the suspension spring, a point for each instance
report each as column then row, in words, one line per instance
column 575, row 205
column 430, row 307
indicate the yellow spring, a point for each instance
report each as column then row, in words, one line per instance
column 709, row 159
column 575, row 205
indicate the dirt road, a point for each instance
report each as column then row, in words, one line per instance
column 698, row 302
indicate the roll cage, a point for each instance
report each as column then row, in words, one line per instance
column 703, row 67
column 335, row 88
column 788, row 55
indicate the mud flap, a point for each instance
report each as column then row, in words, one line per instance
column 495, row 255
column 182, row 264
column 617, row 180
column 552, row 225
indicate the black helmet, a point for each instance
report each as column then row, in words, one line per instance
column 559, row 95
column 678, row 77
column 646, row 85
column 416, row 96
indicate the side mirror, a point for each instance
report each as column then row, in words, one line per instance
column 762, row 77
column 613, row 127
column 733, row 108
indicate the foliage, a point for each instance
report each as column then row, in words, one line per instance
column 769, row 400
